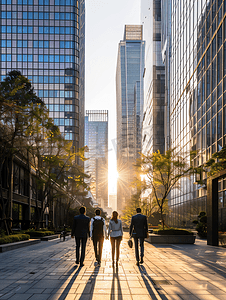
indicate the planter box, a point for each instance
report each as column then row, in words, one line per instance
column 16, row 245
column 171, row 239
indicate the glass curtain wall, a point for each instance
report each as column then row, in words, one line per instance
column 198, row 98
column 40, row 38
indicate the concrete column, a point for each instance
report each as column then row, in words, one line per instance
column 212, row 212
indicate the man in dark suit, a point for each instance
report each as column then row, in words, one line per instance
column 139, row 230
column 80, row 230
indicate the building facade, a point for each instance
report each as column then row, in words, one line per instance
column 96, row 139
column 198, row 99
column 41, row 38
column 153, row 138
column 129, row 101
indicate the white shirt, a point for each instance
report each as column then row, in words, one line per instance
column 91, row 226
column 115, row 229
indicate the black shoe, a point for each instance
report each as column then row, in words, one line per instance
column 141, row 261
column 137, row 263
column 81, row 265
column 77, row 262
column 116, row 265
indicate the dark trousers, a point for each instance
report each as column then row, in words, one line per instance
column 98, row 246
column 115, row 242
column 136, row 244
column 80, row 241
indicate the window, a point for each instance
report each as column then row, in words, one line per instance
column 61, row 44
column 40, row 58
column 40, row 93
column 19, row 57
column 30, row 15
column 3, row 43
column 61, row 30
column 35, row 44
column 24, row 43
column 24, row 15
column 3, row 14
column 30, row 57
column 46, row 44
column 51, row 30
column 46, row 29
column 40, row 29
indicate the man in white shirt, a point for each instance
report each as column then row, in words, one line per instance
column 97, row 233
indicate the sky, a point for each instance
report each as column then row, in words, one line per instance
column 105, row 22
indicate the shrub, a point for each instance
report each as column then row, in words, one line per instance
column 173, row 231
column 14, row 238
column 39, row 233
column 201, row 224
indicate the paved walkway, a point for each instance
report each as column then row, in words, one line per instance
column 48, row 271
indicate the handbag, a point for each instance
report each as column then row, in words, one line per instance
column 130, row 243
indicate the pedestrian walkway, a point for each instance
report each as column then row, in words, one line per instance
column 48, row 271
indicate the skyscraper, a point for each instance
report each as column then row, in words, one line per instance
column 96, row 138
column 129, row 99
column 153, row 136
column 41, row 38
column 197, row 99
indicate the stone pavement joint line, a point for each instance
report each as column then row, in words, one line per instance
column 176, row 272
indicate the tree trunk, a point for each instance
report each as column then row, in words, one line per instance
column 10, row 194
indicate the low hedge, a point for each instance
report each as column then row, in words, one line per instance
column 39, row 233
column 173, row 231
column 13, row 238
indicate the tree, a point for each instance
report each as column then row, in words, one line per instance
column 162, row 173
column 19, row 106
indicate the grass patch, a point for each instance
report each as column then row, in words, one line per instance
column 13, row 238
column 173, row 231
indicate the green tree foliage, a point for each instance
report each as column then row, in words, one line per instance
column 19, row 106
column 162, row 173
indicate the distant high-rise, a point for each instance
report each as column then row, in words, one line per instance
column 129, row 98
column 96, row 138
column 153, row 136
column 43, row 39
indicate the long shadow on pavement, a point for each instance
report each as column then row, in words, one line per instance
column 88, row 289
column 116, row 291
column 150, row 285
column 70, row 284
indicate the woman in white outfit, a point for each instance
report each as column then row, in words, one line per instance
column 115, row 232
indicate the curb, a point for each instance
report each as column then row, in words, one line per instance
column 12, row 246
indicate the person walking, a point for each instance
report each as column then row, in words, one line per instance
column 115, row 232
column 80, row 230
column 97, row 233
column 139, row 231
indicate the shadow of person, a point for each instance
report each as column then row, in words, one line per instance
column 153, row 292
column 116, row 291
column 67, row 286
column 89, row 288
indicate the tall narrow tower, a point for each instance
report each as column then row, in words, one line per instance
column 96, row 138
column 129, row 99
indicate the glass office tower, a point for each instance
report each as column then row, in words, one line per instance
column 40, row 38
column 198, row 98
column 129, row 100
column 96, row 138
column 153, row 138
